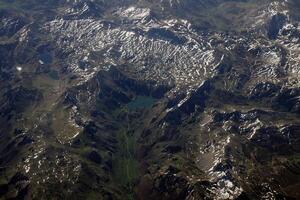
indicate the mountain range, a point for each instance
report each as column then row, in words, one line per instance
column 150, row 99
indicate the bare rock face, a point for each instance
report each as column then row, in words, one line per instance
column 143, row 99
column 275, row 25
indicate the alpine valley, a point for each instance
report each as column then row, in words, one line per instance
column 149, row 99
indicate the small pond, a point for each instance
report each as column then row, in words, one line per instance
column 46, row 57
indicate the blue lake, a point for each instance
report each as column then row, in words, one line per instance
column 141, row 102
